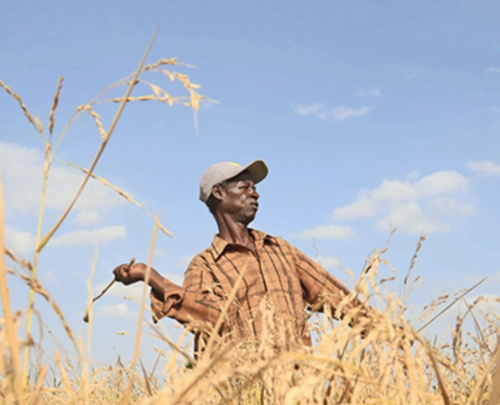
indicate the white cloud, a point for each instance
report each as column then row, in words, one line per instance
column 492, row 70
column 363, row 207
column 485, row 168
column 412, row 206
column 90, row 237
column 371, row 92
column 328, row 232
column 87, row 218
column 116, row 311
column 328, row 114
column 446, row 182
column 22, row 170
column 160, row 253
column 20, row 242
column 174, row 278
column 328, row 262
column 410, row 219
column 313, row 109
column 450, row 207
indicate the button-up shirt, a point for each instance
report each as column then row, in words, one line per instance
column 291, row 281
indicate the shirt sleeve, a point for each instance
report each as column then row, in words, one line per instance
column 319, row 287
column 199, row 299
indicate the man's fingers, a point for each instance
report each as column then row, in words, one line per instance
column 121, row 272
column 128, row 273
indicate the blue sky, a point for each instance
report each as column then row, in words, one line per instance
column 369, row 114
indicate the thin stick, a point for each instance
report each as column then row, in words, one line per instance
column 106, row 289
column 450, row 305
column 87, row 312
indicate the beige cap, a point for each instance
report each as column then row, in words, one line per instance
column 222, row 171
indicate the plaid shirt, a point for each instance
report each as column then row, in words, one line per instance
column 292, row 281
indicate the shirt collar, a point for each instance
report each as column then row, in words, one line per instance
column 219, row 245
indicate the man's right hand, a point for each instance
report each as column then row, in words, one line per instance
column 135, row 273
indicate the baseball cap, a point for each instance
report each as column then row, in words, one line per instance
column 222, row 171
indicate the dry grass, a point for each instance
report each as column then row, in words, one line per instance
column 394, row 363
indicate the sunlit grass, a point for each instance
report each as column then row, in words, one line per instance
column 394, row 363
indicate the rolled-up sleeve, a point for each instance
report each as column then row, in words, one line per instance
column 199, row 299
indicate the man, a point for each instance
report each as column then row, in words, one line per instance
column 272, row 268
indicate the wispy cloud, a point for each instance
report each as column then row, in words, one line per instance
column 174, row 278
column 87, row 218
column 90, row 237
column 20, row 242
column 339, row 232
column 159, row 253
column 492, row 70
column 324, row 113
column 328, row 262
column 373, row 92
column 117, row 310
column 485, row 168
column 426, row 205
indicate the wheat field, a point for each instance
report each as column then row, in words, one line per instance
column 393, row 363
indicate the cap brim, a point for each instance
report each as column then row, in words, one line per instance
column 258, row 170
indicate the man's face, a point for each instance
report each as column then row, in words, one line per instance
column 239, row 198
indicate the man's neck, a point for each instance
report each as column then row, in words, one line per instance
column 235, row 232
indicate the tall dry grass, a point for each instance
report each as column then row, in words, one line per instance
column 392, row 363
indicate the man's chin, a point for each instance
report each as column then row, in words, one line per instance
column 249, row 218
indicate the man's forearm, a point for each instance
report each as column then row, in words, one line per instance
column 156, row 284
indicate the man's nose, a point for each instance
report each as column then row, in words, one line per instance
column 255, row 194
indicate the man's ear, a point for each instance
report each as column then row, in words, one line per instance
column 217, row 192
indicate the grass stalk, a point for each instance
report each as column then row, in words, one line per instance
column 138, row 335
column 41, row 244
column 31, row 298
column 10, row 326
column 495, row 390
column 117, row 116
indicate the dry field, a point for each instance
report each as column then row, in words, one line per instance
column 394, row 363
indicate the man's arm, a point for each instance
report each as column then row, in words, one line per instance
column 130, row 275
column 196, row 300
column 320, row 288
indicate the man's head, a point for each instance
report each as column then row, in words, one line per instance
column 229, row 188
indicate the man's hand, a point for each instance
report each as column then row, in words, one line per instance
column 127, row 276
